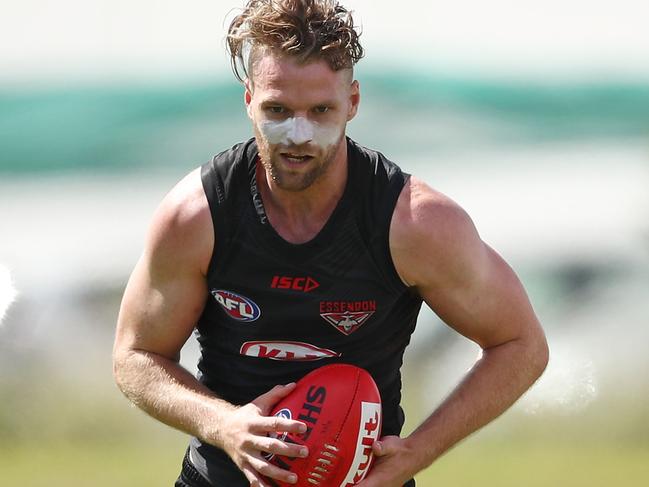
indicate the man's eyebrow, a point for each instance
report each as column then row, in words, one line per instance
column 271, row 101
column 326, row 103
column 276, row 102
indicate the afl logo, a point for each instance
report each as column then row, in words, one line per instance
column 236, row 306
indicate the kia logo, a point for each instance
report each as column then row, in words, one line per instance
column 276, row 350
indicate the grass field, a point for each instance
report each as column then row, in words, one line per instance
column 79, row 430
column 99, row 440
column 473, row 464
column 540, row 465
column 128, row 449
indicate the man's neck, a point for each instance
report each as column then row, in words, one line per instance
column 298, row 216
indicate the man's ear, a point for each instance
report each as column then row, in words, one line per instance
column 354, row 99
column 247, row 97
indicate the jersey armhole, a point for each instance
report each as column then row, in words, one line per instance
column 386, row 240
column 214, row 192
column 386, row 224
column 219, row 176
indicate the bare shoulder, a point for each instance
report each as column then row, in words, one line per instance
column 437, row 250
column 181, row 230
column 167, row 289
column 431, row 231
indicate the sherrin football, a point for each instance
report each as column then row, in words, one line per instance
column 341, row 407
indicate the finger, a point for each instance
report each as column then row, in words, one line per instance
column 267, row 400
column 377, row 448
column 277, row 447
column 271, row 471
column 269, row 424
column 253, row 478
column 384, row 446
column 366, row 483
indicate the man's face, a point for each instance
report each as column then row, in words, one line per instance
column 299, row 113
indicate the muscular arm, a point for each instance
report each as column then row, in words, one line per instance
column 162, row 303
column 437, row 250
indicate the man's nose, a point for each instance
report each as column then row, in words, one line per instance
column 300, row 132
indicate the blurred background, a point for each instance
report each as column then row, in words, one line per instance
column 534, row 116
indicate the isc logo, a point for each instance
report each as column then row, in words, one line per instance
column 237, row 307
column 304, row 284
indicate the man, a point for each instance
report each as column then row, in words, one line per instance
column 301, row 248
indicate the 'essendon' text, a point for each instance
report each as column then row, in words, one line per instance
column 342, row 306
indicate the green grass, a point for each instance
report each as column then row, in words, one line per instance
column 114, row 465
column 51, row 435
column 540, row 465
column 475, row 463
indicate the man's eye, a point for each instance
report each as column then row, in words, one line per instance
column 276, row 109
column 321, row 109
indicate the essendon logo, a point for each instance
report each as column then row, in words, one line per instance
column 346, row 322
column 236, row 306
column 292, row 351
column 347, row 316
column 304, row 284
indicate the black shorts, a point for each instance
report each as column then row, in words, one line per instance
column 189, row 476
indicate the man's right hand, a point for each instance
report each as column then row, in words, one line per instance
column 245, row 438
column 163, row 301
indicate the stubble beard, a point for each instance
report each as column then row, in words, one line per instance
column 295, row 180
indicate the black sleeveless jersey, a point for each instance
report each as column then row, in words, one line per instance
column 278, row 310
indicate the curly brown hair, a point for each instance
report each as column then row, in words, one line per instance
column 304, row 29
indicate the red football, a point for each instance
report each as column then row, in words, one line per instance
column 341, row 406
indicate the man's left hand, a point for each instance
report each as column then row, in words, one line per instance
column 392, row 462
